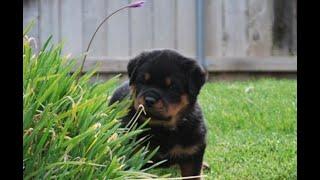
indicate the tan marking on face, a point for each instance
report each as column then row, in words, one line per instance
column 167, row 81
column 136, row 101
column 174, row 109
column 133, row 90
column 178, row 150
column 147, row 76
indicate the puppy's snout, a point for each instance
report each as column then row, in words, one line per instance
column 150, row 98
column 149, row 101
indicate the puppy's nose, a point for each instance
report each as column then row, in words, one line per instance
column 149, row 101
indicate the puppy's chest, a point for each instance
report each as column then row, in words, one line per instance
column 173, row 143
column 164, row 138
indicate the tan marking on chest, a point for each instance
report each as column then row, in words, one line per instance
column 170, row 124
column 179, row 150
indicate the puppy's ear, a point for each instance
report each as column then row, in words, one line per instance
column 134, row 65
column 196, row 75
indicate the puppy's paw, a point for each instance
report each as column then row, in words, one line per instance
column 205, row 166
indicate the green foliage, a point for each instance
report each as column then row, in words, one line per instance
column 69, row 131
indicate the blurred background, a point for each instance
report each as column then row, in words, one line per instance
column 232, row 39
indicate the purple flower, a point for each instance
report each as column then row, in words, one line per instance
column 136, row 4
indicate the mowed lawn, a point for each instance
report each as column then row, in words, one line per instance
column 252, row 128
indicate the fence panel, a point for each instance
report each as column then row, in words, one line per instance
column 233, row 29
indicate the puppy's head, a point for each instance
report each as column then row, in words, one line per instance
column 164, row 82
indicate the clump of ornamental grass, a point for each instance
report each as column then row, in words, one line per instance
column 69, row 131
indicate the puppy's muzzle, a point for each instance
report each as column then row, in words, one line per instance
column 149, row 101
column 150, row 98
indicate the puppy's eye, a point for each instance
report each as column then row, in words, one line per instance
column 147, row 77
column 172, row 86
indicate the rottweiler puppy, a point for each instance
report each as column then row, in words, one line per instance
column 167, row 84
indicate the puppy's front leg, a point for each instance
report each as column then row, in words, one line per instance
column 192, row 167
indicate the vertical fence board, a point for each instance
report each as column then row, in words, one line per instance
column 118, row 30
column 186, row 25
column 164, row 24
column 49, row 21
column 294, row 29
column 141, row 28
column 71, row 29
column 30, row 12
column 94, row 12
column 260, row 27
column 213, row 28
column 282, row 27
column 235, row 31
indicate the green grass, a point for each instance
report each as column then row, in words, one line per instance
column 252, row 130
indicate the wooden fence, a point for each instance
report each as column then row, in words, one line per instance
column 240, row 35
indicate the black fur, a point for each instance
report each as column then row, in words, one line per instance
column 187, row 78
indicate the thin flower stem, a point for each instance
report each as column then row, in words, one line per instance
column 86, row 52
